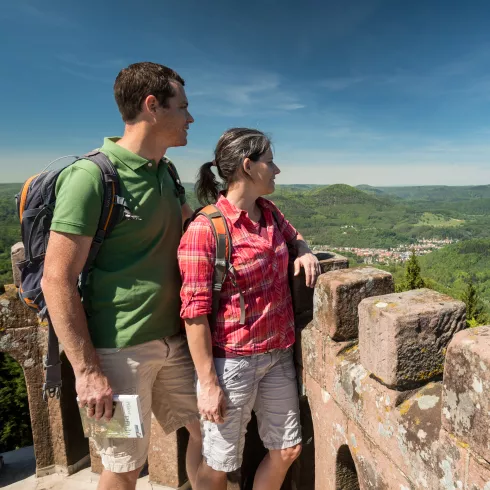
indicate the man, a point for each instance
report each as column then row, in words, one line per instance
column 126, row 338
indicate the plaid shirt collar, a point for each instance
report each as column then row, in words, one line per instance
column 233, row 213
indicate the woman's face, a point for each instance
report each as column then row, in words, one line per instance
column 263, row 173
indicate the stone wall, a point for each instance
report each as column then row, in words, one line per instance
column 394, row 392
column 398, row 391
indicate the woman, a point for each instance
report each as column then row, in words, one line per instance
column 249, row 365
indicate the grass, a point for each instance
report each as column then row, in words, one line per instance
column 438, row 221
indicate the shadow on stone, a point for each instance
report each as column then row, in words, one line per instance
column 182, row 441
column 253, row 454
column 301, row 476
column 76, row 443
column 18, row 465
column 345, row 470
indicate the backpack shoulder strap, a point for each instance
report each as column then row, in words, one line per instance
column 110, row 213
column 175, row 177
column 222, row 261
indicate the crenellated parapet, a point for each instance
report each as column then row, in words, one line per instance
column 398, row 391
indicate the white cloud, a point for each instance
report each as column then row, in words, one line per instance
column 235, row 92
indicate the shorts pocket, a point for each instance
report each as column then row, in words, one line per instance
column 287, row 364
column 236, row 379
column 229, row 369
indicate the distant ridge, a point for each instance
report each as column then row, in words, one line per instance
column 338, row 194
column 370, row 189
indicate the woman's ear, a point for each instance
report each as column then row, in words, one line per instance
column 247, row 166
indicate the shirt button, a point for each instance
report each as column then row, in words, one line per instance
column 150, row 164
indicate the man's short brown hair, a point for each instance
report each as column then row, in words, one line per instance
column 138, row 81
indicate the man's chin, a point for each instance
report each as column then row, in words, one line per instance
column 182, row 142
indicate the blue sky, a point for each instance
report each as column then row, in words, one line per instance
column 360, row 92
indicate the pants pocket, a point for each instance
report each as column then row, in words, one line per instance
column 236, row 379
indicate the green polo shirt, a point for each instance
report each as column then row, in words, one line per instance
column 132, row 294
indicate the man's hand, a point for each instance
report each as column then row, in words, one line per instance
column 211, row 402
column 309, row 262
column 95, row 393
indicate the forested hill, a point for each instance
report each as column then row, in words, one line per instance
column 432, row 192
column 452, row 266
column 340, row 215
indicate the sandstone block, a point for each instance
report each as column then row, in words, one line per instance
column 466, row 388
column 478, row 474
column 310, row 352
column 17, row 255
column 403, row 337
column 338, row 294
column 95, row 460
column 329, row 434
column 303, row 296
column 166, row 456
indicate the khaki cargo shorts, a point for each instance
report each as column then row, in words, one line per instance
column 162, row 373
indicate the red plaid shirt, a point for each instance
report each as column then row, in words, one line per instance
column 261, row 274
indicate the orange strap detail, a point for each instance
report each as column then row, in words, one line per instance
column 219, row 224
column 28, row 301
column 112, row 206
column 23, row 196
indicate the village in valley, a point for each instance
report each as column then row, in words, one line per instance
column 399, row 254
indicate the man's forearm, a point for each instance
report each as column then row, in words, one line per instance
column 200, row 345
column 70, row 324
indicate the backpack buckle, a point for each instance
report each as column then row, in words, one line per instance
column 128, row 215
column 51, row 392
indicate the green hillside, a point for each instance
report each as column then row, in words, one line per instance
column 437, row 192
column 453, row 265
column 340, row 215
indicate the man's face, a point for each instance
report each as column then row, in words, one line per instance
column 173, row 121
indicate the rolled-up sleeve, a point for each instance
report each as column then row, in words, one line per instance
column 196, row 256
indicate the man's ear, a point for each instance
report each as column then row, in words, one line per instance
column 150, row 104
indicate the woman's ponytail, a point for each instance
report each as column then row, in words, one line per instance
column 207, row 186
column 233, row 147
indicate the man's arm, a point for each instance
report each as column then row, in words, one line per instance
column 211, row 400
column 65, row 257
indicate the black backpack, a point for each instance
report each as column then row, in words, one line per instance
column 35, row 206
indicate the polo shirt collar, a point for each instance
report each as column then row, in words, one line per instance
column 125, row 156
column 233, row 213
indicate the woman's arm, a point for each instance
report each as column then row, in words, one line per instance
column 196, row 261
column 211, row 400
column 307, row 260
column 305, row 257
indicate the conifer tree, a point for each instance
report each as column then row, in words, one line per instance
column 412, row 279
column 15, row 422
column 475, row 315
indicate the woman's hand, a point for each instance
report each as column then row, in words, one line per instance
column 309, row 262
column 211, row 402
